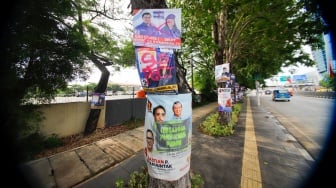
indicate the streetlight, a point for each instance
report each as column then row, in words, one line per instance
column 292, row 70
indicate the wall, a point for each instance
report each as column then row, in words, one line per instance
column 66, row 119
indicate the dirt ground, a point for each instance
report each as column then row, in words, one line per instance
column 78, row 140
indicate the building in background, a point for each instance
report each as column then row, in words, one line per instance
column 324, row 56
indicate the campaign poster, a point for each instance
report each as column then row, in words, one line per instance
column 98, row 100
column 224, row 100
column 167, row 135
column 158, row 28
column 231, row 82
column 156, row 68
column 222, row 72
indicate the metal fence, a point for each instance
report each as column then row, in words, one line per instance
column 119, row 111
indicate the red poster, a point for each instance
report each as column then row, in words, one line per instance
column 156, row 68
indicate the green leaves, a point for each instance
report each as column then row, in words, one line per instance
column 255, row 36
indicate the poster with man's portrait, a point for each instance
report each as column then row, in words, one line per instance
column 158, row 28
column 167, row 135
column 224, row 100
column 222, row 72
column 156, row 68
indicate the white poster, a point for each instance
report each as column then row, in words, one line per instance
column 168, row 130
column 158, row 28
column 224, row 100
column 222, row 72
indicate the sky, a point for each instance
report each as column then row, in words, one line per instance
column 130, row 76
column 299, row 69
column 311, row 72
column 126, row 76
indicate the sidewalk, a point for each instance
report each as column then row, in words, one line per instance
column 261, row 153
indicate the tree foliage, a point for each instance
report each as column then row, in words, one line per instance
column 45, row 45
column 256, row 37
column 42, row 52
column 328, row 82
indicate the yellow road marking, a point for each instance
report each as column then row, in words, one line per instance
column 251, row 176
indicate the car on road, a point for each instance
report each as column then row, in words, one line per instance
column 281, row 95
column 268, row 92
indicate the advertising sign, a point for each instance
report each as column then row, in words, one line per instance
column 158, row 28
column 98, row 100
column 167, row 135
column 224, row 100
column 222, row 72
column 284, row 78
column 156, row 68
column 300, row 77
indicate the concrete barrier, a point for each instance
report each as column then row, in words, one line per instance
column 66, row 119
column 327, row 94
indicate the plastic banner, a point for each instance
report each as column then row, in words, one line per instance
column 158, row 28
column 167, row 135
column 222, row 72
column 224, row 100
column 156, row 68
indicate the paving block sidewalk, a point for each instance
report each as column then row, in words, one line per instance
column 72, row 167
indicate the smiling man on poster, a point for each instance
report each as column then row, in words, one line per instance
column 170, row 160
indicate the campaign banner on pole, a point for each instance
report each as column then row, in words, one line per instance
column 224, row 100
column 222, row 72
column 158, row 28
column 167, row 135
column 156, row 68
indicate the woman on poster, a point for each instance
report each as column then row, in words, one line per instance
column 170, row 29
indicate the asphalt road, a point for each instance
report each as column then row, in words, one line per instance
column 307, row 118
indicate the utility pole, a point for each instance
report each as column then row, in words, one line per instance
column 192, row 73
column 257, row 84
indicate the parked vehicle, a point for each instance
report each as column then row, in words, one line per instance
column 268, row 92
column 281, row 95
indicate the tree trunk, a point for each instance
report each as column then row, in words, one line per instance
column 183, row 182
column 183, row 87
column 100, row 63
column 181, row 72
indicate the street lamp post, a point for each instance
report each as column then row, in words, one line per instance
column 292, row 71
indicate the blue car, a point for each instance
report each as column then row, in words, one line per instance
column 281, row 95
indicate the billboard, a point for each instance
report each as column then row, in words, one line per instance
column 284, row 78
column 300, row 77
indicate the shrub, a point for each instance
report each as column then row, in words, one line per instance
column 211, row 126
column 140, row 179
column 52, row 142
